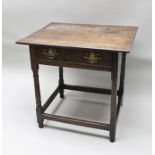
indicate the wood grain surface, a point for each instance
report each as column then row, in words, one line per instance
column 102, row 37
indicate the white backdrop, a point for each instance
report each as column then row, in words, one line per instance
column 22, row 17
column 21, row 134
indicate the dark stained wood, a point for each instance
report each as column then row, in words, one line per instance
column 50, row 99
column 81, row 46
column 88, row 89
column 73, row 58
column 113, row 96
column 76, row 121
column 103, row 37
column 35, row 68
column 61, row 82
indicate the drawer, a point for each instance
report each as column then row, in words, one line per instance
column 73, row 57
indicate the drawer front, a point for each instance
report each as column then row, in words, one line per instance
column 73, row 57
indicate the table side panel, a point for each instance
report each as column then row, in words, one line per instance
column 73, row 58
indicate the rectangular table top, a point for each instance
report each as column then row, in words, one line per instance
column 102, row 37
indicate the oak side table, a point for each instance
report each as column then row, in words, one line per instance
column 96, row 47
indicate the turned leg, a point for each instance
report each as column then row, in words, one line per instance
column 61, row 82
column 122, row 77
column 113, row 97
column 35, row 68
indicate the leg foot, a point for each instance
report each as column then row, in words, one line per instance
column 61, row 96
column 112, row 134
column 61, row 93
column 41, row 125
column 112, row 139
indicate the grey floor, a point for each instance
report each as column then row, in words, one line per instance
column 22, row 136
